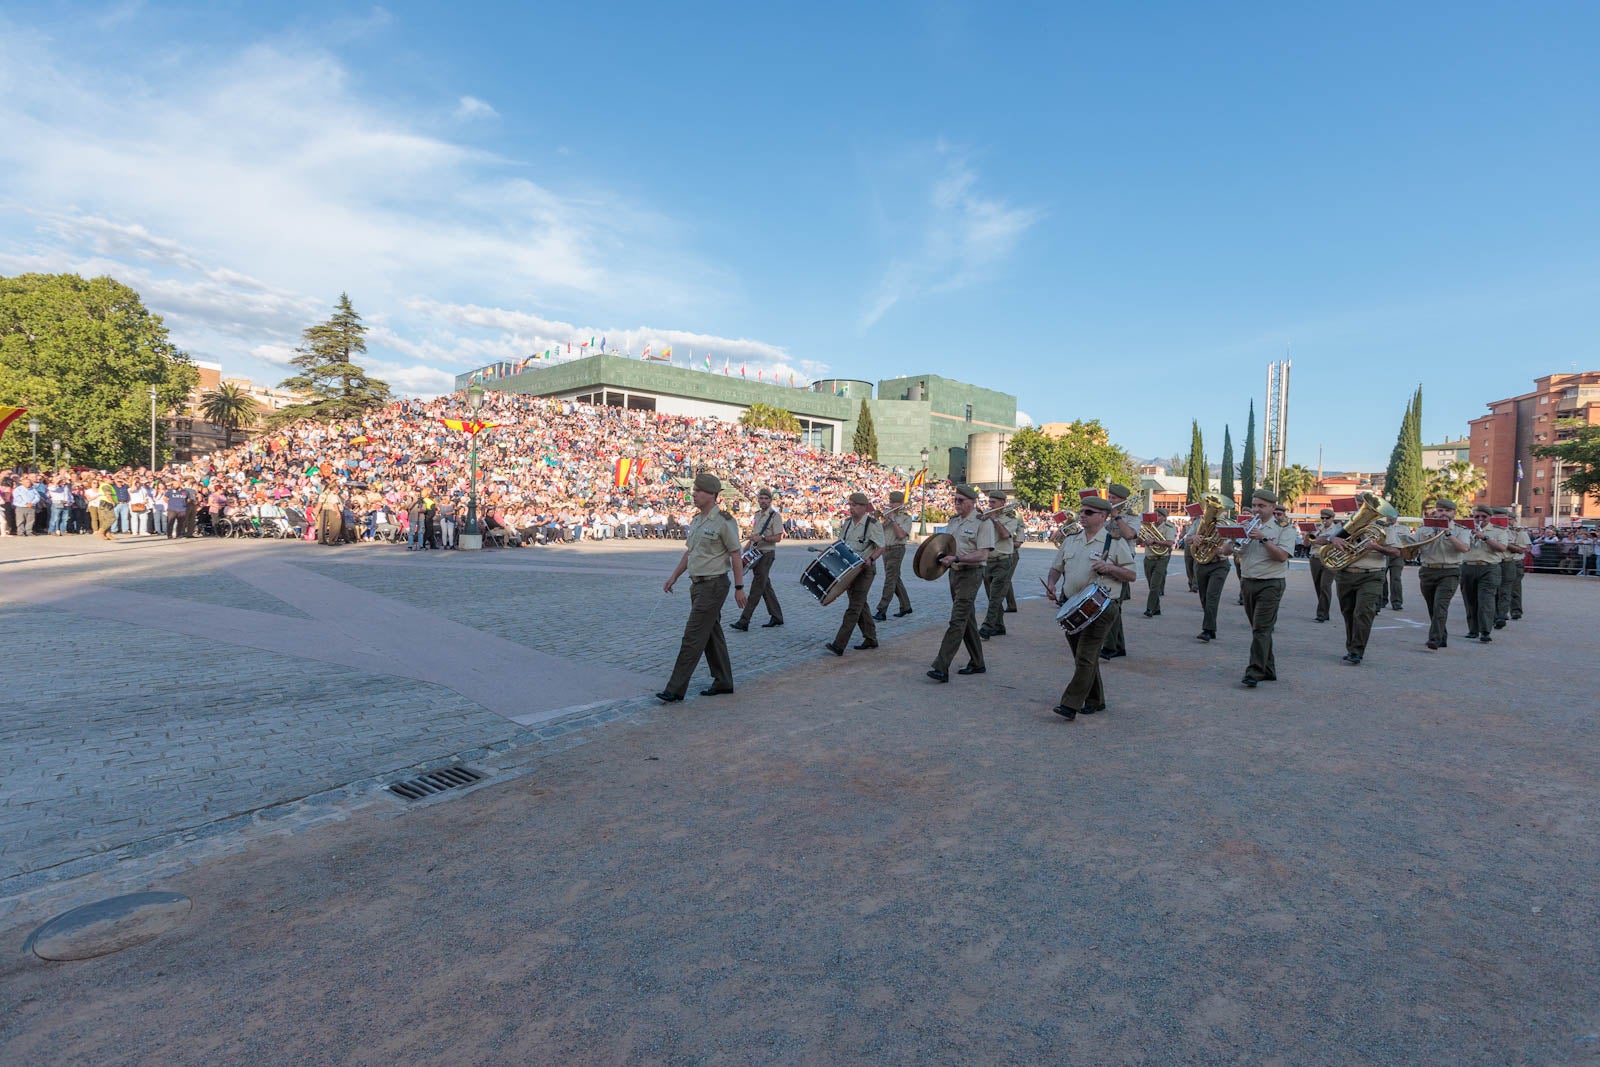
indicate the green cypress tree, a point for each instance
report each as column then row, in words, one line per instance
column 334, row 384
column 865, row 441
column 1247, row 465
column 1227, row 464
column 1405, row 482
column 1197, row 469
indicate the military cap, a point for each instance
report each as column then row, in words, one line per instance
column 997, row 494
column 708, row 483
column 1162, row 512
column 1098, row 503
column 861, row 498
column 1327, row 513
column 1265, row 494
column 1502, row 511
column 1445, row 504
column 764, row 492
column 1121, row 492
column 967, row 491
column 897, row 497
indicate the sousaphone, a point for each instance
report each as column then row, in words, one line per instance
column 925, row 564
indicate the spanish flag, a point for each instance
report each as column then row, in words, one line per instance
column 468, row 425
column 626, row 470
column 363, row 439
column 920, row 478
column 8, row 416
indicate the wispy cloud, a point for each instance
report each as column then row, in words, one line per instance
column 953, row 237
column 470, row 107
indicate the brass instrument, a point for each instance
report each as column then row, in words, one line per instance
column 1364, row 525
column 1414, row 549
column 1008, row 510
column 1070, row 526
column 1204, row 542
column 1250, row 527
column 1148, row 532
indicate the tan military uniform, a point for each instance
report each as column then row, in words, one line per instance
column 1480, row 580
column 711, row 541
column 1508, row 604
column 1074, row 560
column 1360, row 589
column 1321, row 577
column 971, row 535
column 1395, row 567
column 896, row 531
column 768, row 522
column 997, row 572
column 862, row 536
column 1255, row 563
column 1155, row 569
column 1439, row 577
column 1262, row 581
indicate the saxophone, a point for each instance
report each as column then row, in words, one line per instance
column 1363, row 529
column 1204, row 542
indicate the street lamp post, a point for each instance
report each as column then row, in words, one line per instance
column 33, row 428
column 55, row 454
column 152, row 429
column 922, row 519
column 472, row 537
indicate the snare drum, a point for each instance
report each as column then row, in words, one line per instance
column 1082, row 608
column 750, row 556
column 831, row 573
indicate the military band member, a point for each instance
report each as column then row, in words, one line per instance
column 1155, row 564
column 1508, row 604
column 1263, row 573
column 1095, row 555
column 1123, row 526
column 1360, row 587
column 1399, row 535
column 974, row 541
column 1321, row 577
column 896, row 531
column 998, row 570
column 711, row 542
column 863, row 535
column 1211, row 578
column 766, row 530
column 1440, row 573
column 1188, row 557
column 1480, row 573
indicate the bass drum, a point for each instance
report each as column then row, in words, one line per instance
column 1082, row 608
column 831, row 573
column 925, row 564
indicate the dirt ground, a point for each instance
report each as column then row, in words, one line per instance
column 847, row 863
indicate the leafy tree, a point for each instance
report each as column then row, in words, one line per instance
column 1173, row 463
column 1406, row 480
column 1294, row 482
column 1460, row 481
column 1582, row 451
column 1198, row 471
column 81, row 355
column 1247, row 465
column 865, row 441
column 230, row 407
column 1227, row 465
column 767, row 417
column 335, row 386
column 1042, row 466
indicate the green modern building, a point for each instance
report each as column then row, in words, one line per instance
column 909, row 414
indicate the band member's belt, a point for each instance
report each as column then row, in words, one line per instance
column 1481, row 563
column 707, row 578
column 1440, row 566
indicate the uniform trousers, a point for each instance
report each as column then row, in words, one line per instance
column 328, row 526
column 1359, row 592
column 702, row 635
column 1155, row 577
column 997, row 584
column 856, row 612
column 963, row 628
column 1438, row 589
column 1086, row 689
column 1115, row 642
column 893, row 587
column 1261, row 599
column 1480, row 587
column 1322, row 582
column 1210, row 578
column 1188, row 568
column 1393, row 595
column 1509, row 598
column 761, row 591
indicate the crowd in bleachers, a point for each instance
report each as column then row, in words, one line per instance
column 547, row 474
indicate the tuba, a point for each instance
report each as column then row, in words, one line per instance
column 1363, row 528
column 1203, row 542
column 1149, row 531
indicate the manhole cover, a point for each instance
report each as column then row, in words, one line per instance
column 108, row 926
column 435, row 782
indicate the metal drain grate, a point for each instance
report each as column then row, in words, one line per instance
column 434, row 782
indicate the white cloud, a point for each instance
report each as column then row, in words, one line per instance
column 242, row 193
column 1024, row 419
column 954, row 237
column 470, row 107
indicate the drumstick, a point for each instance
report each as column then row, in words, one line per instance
column 1047, row 591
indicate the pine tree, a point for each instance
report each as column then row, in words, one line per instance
column 1405, row 483
column 1198, row 471
column 329, row 377
column 1227, row 464
column 865, row 441
column 1247, row 465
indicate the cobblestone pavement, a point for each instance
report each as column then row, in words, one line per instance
column 847, row 863
column 204, row 686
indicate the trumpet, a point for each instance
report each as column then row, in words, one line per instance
column 1008, row 510
column 1250, row 527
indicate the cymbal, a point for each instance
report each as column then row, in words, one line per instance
column 925, row 564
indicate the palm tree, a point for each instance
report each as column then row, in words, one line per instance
column 1294, row 482
column 228, row 406
column 1459, row 481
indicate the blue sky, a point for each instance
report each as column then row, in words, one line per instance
column 1115, row 214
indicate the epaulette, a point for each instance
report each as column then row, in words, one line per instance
column 724, row 513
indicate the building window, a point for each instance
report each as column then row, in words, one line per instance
column 969, row 412
column 1538, row 474
column 1538, row 490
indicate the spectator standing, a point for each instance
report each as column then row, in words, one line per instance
column 175, row 501
column 60, row 504
column 139, row 506
column 105, row 510
column 24, row 499
column 122, row 516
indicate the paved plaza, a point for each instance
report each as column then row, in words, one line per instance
column 842, row 862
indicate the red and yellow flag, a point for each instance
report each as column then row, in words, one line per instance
column 468, row 425
column 920, row 478
column 8, row 416
column 626, row 470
